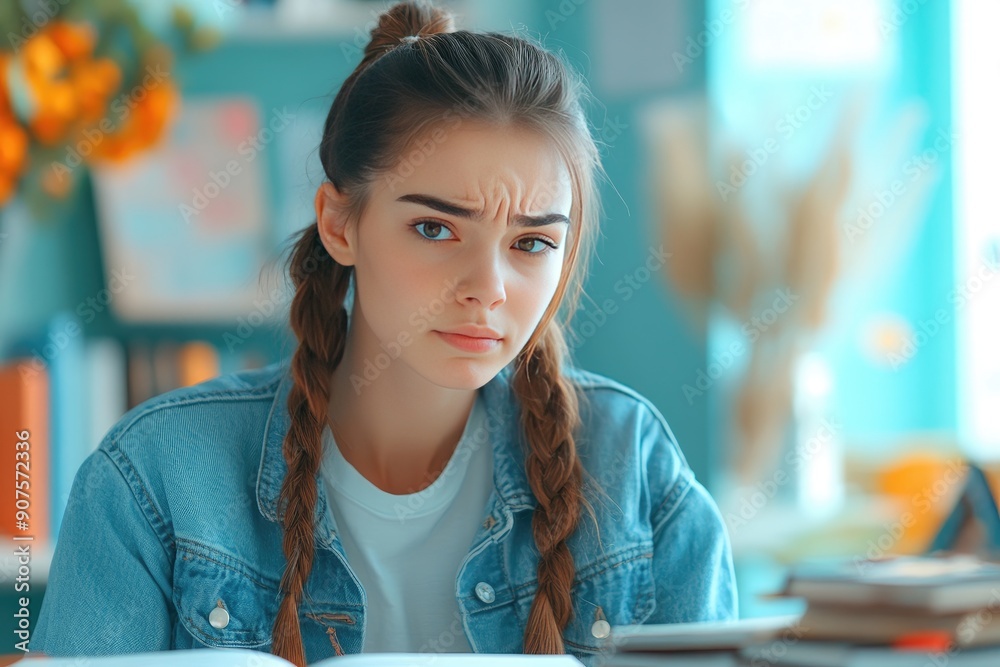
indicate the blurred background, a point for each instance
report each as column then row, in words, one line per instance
column 797, row 250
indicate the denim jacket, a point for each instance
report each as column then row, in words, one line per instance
column 171, row 537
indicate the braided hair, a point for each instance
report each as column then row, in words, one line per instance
column 399, row 90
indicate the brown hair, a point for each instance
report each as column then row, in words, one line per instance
column 400, row 89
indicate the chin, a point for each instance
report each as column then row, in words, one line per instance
column 463, row 373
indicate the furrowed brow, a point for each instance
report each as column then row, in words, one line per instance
column 448, row 208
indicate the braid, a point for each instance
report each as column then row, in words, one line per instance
column 319, row 321
column 550, row 411
column 397, row 92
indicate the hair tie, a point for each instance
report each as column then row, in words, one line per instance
column 409, row 39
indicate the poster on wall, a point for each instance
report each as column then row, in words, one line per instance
column 183, row 227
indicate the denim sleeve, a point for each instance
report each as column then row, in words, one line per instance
column 109, row 583
column 692, row 555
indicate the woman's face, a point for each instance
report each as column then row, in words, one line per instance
column 469, row 229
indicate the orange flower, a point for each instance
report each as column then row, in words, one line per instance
column 94, row 82
column 13, row 154
column 67, row 92
column 54, row 103
column 67, row 86
column 74, row 40
column 143, row 127
column 4, row 90
column 42, row 57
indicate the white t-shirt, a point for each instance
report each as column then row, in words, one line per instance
column 406, row 549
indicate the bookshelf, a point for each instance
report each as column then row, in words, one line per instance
column 56, row 273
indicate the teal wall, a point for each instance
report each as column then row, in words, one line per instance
column 648, row 343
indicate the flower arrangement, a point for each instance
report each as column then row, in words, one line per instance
column 772, row 253
column 82, row 83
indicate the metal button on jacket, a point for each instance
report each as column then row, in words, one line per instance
column 219, row 618
column 485, row 592
column 600, row 629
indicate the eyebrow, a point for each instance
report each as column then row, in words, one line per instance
column 471, row 214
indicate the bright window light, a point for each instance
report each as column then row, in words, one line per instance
column 976, row 298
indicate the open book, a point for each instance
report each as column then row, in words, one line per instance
column 232, row 657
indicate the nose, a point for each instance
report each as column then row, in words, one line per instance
column 482, row 283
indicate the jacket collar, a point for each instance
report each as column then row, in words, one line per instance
column 502, row 424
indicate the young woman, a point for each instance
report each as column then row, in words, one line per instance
column 428, row 472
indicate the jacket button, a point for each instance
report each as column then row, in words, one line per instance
column 485, row 592
column 219, row 618
column 600, row 629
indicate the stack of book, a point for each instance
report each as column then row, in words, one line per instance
column 721, row 644
column 905, row 606
column 894, row 612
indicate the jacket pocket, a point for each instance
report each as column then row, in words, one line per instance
column 221, row 601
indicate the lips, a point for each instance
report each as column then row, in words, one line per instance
column 474, row 331
column 470, row 343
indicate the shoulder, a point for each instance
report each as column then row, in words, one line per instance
column 220, row 403
column 606, row 398
column 627, row 445
column 611, row 406
column 214, row 429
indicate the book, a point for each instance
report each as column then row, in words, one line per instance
column 679, row 658
column 841, row 654
column 68, row 408
column 24, row 432
column 233, row 657
column 886, row 625
column 952, row 583
column 702, row 644
column 106, row 388
column 197, row 361
column 721, row 635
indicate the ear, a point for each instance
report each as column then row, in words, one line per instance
column 335, row 231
